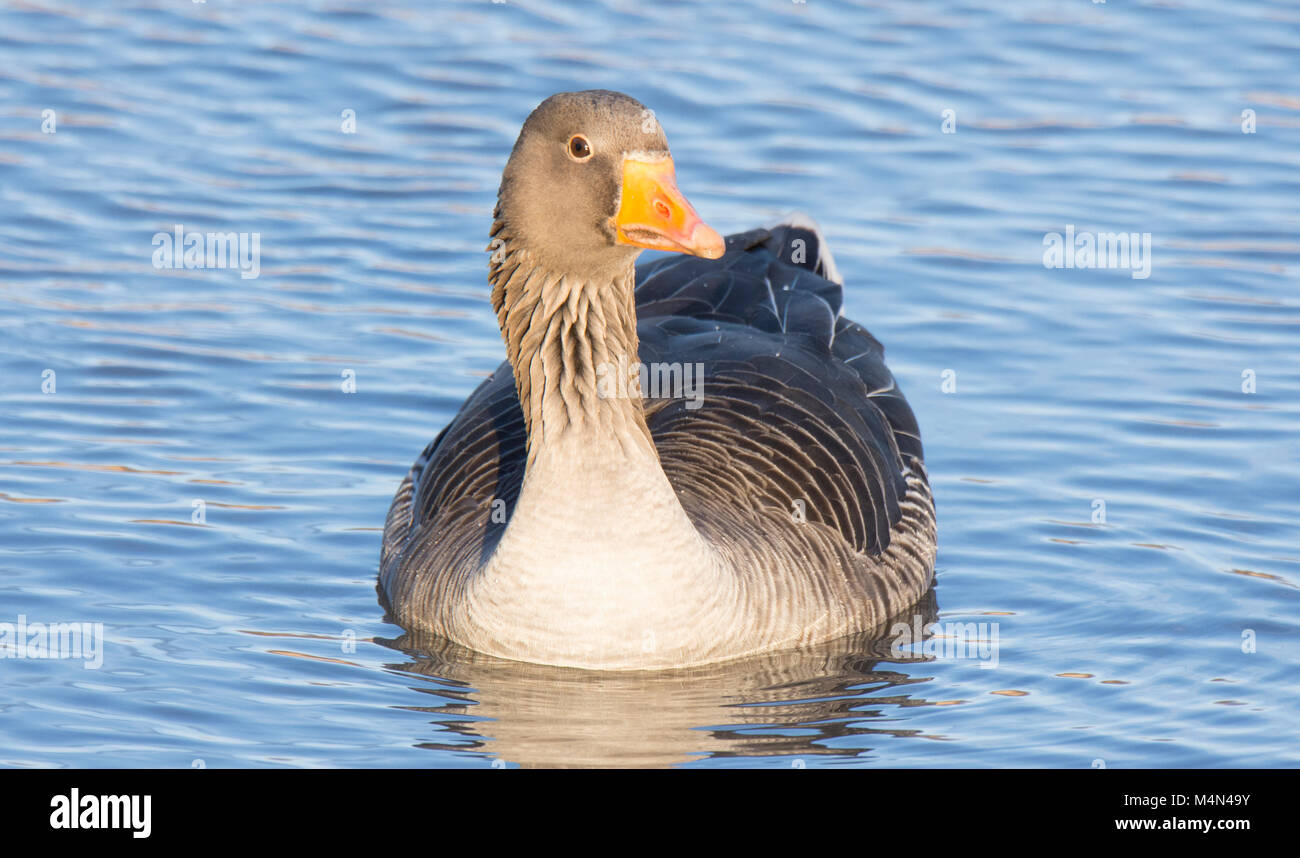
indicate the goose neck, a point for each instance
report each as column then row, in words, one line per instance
column 570, row 338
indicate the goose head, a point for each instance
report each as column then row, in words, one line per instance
column 590, row 183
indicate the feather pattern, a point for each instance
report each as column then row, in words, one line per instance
column 798, row 459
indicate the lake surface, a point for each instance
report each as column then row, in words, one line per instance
column 1114, row 458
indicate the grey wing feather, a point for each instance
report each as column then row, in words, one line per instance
column 461, row 491
column 797, row 402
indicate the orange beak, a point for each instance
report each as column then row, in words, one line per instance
column 654, row 214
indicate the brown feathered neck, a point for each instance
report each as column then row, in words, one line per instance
column 569, row 337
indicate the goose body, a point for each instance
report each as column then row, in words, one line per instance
column 692, row 460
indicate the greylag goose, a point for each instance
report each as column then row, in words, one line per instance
column 685, row 462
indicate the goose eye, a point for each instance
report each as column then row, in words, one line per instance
column 579, row 148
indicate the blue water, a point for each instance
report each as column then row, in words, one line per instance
column 1109, row 491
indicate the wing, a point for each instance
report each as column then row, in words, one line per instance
column 797, row 408
column 453, row 506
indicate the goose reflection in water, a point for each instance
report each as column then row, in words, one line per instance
column 798, row 703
